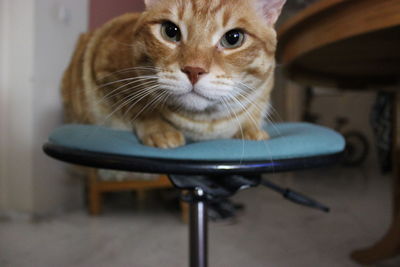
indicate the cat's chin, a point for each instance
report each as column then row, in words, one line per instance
column 194, row 102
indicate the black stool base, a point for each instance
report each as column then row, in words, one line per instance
column 203, row 190
column 198, row 230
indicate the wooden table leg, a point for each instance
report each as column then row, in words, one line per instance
column 389, row 245
column 95, row 199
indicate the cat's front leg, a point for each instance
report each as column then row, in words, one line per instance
column 158, row 133
column 252, row 133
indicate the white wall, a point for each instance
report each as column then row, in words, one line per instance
column 57, row 26
column 2, row 105
column 38, row 37
column 16, row 91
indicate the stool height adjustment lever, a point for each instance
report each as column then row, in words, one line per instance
column 295, row 197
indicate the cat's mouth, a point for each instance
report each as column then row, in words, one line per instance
column 195, row 93
column 202, row 96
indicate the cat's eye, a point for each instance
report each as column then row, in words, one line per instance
column 233, row 39
column 170, row 32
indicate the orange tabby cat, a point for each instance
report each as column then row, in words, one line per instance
column 198, row 69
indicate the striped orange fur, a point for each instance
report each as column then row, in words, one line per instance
column 130, row 73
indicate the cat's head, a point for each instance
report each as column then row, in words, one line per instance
column 208, row 52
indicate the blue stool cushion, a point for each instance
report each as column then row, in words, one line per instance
column 288, row 141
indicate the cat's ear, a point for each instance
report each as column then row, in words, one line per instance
column 149, row 3
column 271, row 9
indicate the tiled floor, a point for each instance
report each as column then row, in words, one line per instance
column 270, row 232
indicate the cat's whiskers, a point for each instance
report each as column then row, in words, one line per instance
column 121, row 102
column 148, row 105
column 255, row 124
column 247, row 88
column 161, row 101
column 179, row 107
column 138, row 78
column 239, row 124
column 275, row 112
column 140, row 96
column 164, row 101
column 131, row 69
column 265, row 116
column 245, row 95
column 125, row 101
column 258, row 107
column 118, row 89
column 133, row 89
column 143, row 94
column 243, row 108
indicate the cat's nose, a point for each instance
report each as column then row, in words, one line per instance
column 194, row 73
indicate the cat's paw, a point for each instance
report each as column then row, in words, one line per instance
column 167, row 139
column 252, row 134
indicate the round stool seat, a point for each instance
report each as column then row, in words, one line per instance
column 291, row 146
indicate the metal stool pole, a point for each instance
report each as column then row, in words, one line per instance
column 198, row 230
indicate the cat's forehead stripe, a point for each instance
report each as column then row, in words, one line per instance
column 194, row 15
column 218, row 7
column 181, row 12
column 203, row 9
column 226, row 18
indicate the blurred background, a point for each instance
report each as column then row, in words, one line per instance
column 46, row 218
